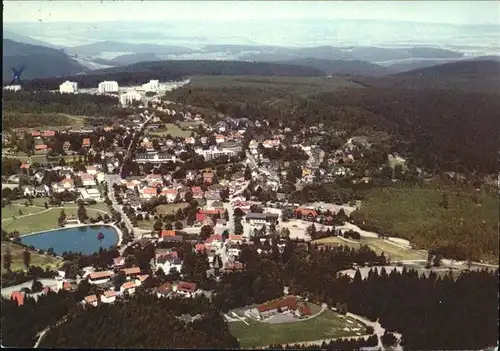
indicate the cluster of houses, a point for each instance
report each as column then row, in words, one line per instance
column 86, row 184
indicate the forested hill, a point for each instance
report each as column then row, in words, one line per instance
column 39, row 61
column 211, row 67
column 443, row 130
column 142, row 72
column 471, row 76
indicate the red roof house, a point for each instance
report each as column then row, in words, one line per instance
column 17, row 296
column 187, row 287
column 49, row 133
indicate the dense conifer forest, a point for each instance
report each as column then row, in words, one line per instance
column 431, row 312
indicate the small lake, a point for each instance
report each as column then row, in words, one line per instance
column 82, row 239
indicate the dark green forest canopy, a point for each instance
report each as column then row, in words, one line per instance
column 442, row 130
column 42, row 108
column 145, row 323
column 142, row 72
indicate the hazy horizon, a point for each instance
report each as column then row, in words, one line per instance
column 470, row 27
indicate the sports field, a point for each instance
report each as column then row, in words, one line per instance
column 326, row 325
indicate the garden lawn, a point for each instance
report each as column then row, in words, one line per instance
column 43, row 221
column 146, row 225
column 391, row 251
column 12, row 210
column 327, row 325
column 173, row 130
column 36, row 259
column 170, row 208
column 415, row 214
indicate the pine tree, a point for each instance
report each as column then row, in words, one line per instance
column 7, row 259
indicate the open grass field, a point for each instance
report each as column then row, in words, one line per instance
column 146, row 225
column 327, row 325
column 416, row 214
column 392, row 252
column 190, row 124
column 36, row 259
column 42, row 219
column 294, row 85
column 170, row 208
column 173, row 130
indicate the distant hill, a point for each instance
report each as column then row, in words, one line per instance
column 27, row 40
column 341, row 67
column 95, row 49
column 130, row 59
column 471, row 76
column 39, row 61
column 473, row 69
column 411, row 65
column 356, row 53
column 142, row 72
column 211, row 67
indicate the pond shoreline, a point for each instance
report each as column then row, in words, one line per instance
column 117, row 231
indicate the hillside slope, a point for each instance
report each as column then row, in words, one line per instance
column 39, row 61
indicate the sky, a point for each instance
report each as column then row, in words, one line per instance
column 448, row 12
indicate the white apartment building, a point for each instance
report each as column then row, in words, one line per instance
column 213, row 153
column 108, row 87
column 155, row 158
column 153, row 85
column 130, row 97
column 13, row 87
column 68, row 87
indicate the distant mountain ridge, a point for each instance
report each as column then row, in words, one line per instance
column 28, row 40
column 95, row 49
column 39, row 61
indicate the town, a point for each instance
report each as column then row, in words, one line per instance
column 166, row 182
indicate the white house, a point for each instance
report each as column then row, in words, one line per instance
column 109, row 296
column 68, row 87
column 100, row 277
column 108, row 87
column 128, row 287
column 90, row 300
column 187, row 289
column 130, row 97
column 166, row 264
column 90, row 194
column 261, row 218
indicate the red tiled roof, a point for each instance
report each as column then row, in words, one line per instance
column 49, row 133
column 187, row 287
column 25, row 166
column 90, row 298
column 133, row 270
column 110, row 293
column 165, row 288
column 290, row 302
column 98, row 275
column 128, row 285
column 41, row 147
column 235, row 237
column 86, row 141
column 35, row 133
column 165, row 232
column 307, row 212
column 305, row 310
column 18, row 296
column 151, row 191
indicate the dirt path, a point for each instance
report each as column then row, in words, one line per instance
column 48, row 209
column 31, row 214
